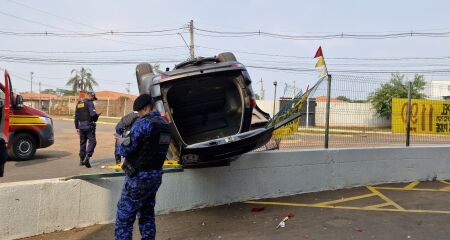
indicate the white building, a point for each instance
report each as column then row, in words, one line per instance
column 437, row 89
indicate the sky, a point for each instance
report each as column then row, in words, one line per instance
column 300, row 18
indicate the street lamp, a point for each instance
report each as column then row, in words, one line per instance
column 274, row 98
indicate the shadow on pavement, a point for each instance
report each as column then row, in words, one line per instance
column 41, row 158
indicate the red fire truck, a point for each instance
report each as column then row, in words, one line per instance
column 29, row 128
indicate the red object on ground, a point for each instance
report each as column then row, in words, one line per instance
column 258, row 209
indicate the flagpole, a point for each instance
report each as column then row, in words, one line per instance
column 327, row 112
column 321, row 63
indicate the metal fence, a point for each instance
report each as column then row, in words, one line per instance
column 354, row 120
column 66, row 106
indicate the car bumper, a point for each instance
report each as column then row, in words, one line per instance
column 46, row 136
column 220, row 151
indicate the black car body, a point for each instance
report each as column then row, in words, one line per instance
column 209, row 103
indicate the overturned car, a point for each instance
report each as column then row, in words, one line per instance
column 210, row 105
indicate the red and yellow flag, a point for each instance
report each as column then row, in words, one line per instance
column 321, row 62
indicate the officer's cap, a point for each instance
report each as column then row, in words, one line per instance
column 91, row 93
column 142, row 101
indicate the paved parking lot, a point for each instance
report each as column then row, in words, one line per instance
column 417, row 210
column 61, row 159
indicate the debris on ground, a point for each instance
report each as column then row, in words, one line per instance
column 282, row 224
column 258, row 209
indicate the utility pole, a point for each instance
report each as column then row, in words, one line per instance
column 40, row 103
column 191, row 33
column 274, row 98
column 128, row 88
column 294, row 94
column 128, row 91
column 261, row 91
column 31, row 80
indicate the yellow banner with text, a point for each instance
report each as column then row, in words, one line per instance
column 427, row 116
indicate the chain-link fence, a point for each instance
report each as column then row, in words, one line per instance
column 368, row 112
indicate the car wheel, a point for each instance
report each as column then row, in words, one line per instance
column 226, row 57
column 24, row 147
column 143, row 69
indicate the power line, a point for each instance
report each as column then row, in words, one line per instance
column 335, row 58
column 373, row 36
column 91, row 52
column 58, row 28
column 150, row 33
column 81, row 61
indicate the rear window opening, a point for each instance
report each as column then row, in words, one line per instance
column 206, row 107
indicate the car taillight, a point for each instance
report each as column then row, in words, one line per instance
column 165, row 117
column 252, row 102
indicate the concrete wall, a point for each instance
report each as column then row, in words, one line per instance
column 34, row 207
column 344, row 114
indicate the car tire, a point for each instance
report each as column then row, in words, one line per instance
column 143, row 70
column 226, row 57
column 23, row 148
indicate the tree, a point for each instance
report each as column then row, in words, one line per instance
column 82, row 80
column 381, row 98
column 343, row 98
column 49, row 91
column 346, row 99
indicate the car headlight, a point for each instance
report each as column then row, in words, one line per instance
column 46, row 120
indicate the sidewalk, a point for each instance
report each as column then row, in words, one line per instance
column 391, row 211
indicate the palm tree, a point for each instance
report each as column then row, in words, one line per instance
column 82, row 80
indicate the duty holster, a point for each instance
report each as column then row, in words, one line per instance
column 128, row 168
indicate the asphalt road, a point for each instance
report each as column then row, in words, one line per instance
column 61, row 159
column 388, row 212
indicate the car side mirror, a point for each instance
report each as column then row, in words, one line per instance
column 19, row 101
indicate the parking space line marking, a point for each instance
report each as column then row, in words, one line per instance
column 378, row 205
column 411, row 185
column 414, row 189
column 349, row 208
column 382, row 196
column 346, row 199
column 444, row 182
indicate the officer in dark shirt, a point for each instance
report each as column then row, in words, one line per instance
column 3, row 138
column 3, row 156
column 122, row 128
column 145, row 151
column 85, row 118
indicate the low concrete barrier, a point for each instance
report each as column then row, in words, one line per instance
column 34, row 207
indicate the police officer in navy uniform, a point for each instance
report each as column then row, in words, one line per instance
column 3, row 139
column 122, row 128
column 3, row 156
column 85, row 118
column 145, row 151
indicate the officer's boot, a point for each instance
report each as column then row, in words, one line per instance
column 118, row 159
column 2, row 169
column 86, row 161
column 81, row 161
